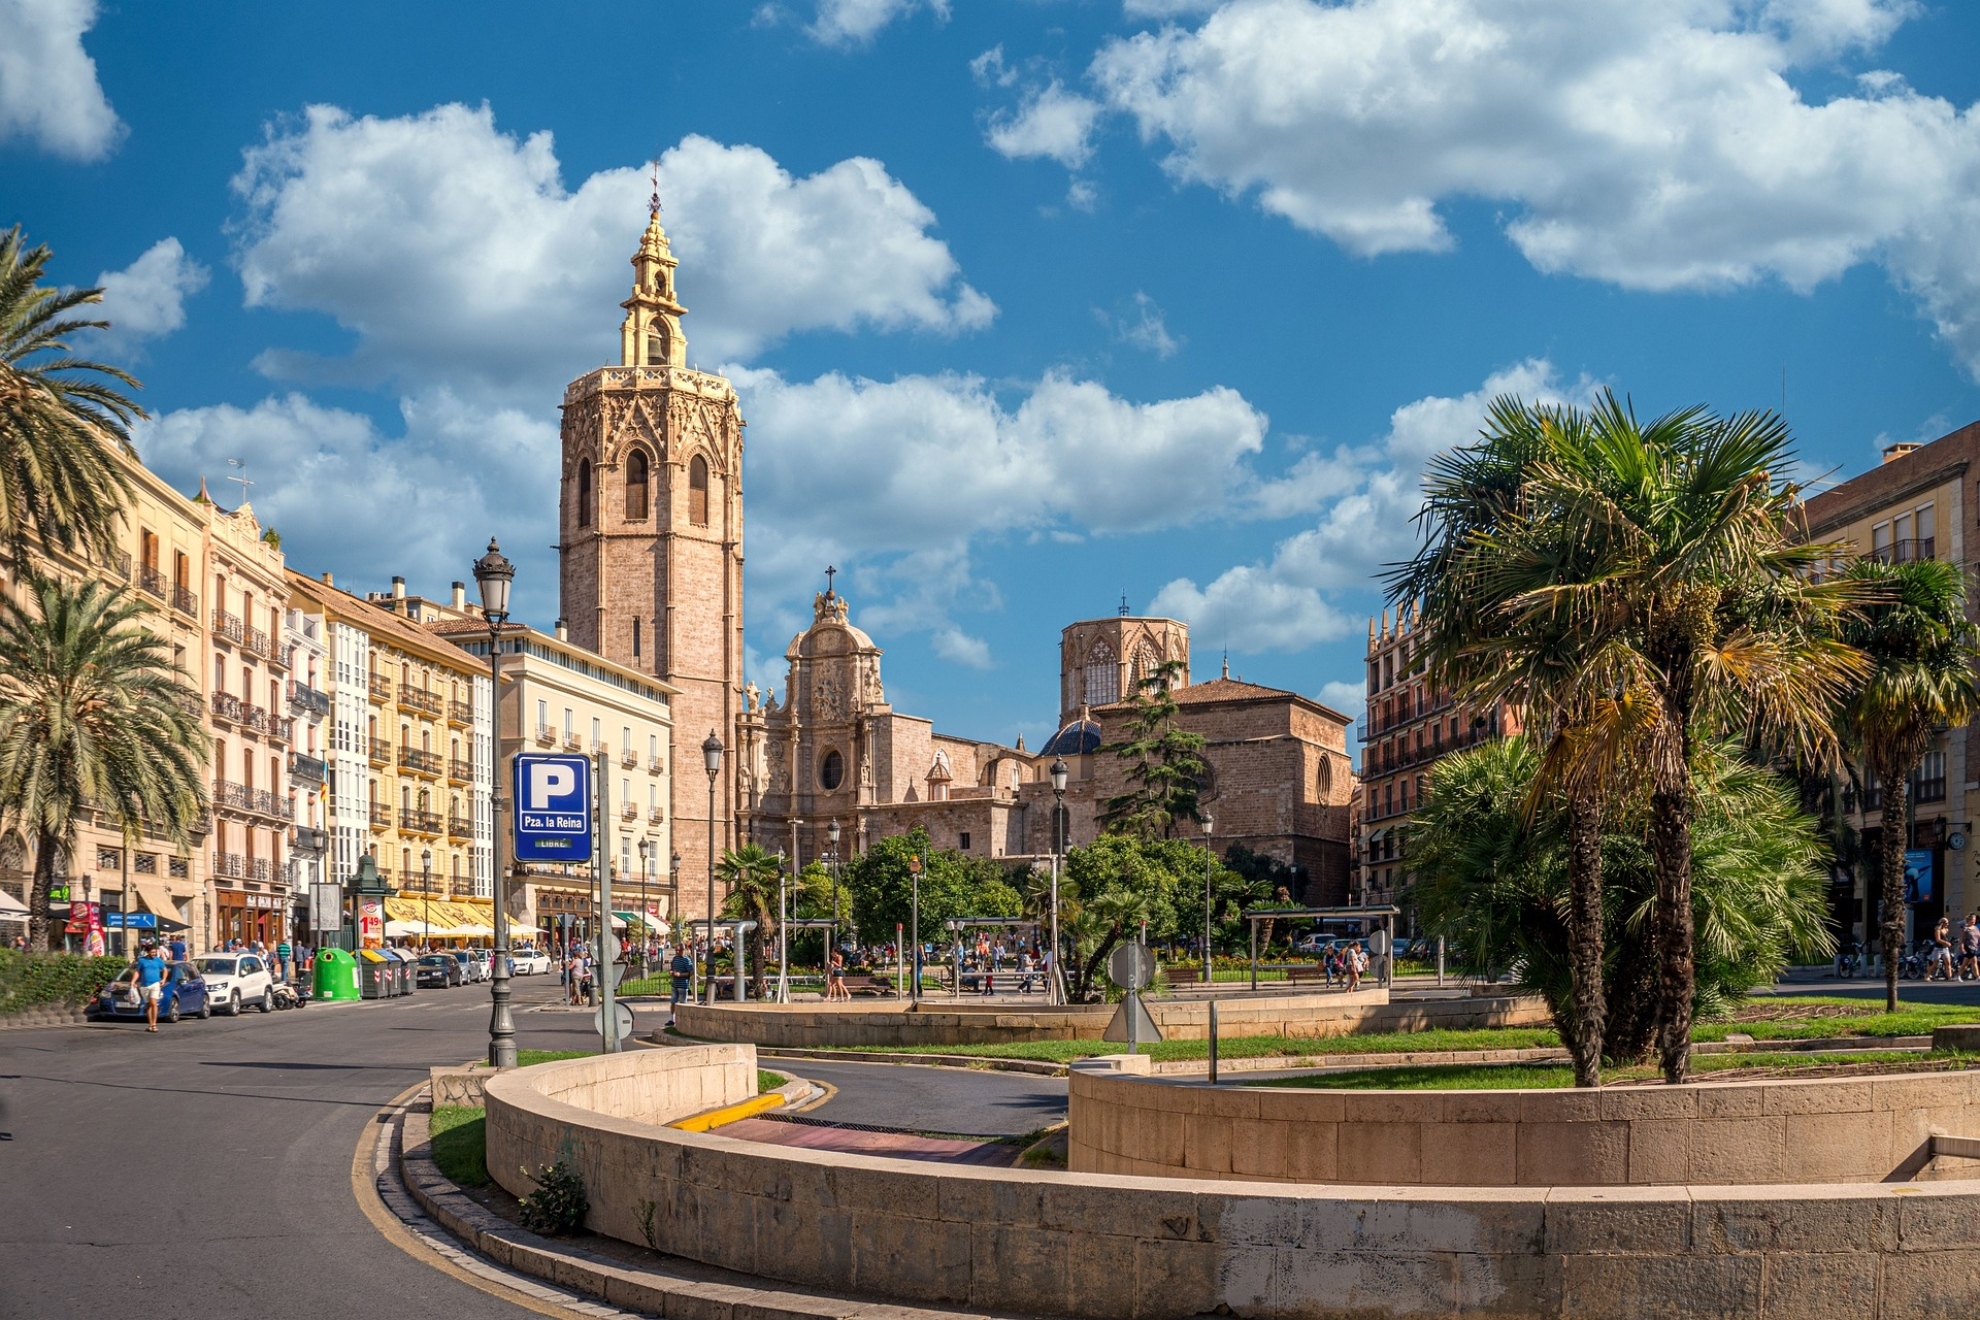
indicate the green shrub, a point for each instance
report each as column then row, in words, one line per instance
column 34, row 980
column 558, row 1205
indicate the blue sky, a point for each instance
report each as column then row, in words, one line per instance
column 1031, row 302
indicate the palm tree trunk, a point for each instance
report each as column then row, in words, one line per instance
column 1896, row 829
column 44, row 879
column 759, row 951
column 1585, row 937
column 1670, row 850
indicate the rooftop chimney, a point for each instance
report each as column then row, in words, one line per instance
column 329, row 581
column 398, row 588
column 1900, row 449
column 563, row 631
column 460, row 595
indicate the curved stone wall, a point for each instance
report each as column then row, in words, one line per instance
column 942, row 1021
column 1816, row 1131
column 1038, row 1243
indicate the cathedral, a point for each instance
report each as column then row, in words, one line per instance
column 650, row 544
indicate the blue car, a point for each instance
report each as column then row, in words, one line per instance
column 184, row 996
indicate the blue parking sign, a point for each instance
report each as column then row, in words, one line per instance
column 553, row 808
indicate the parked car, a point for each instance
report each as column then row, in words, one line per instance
column 484, row 962
column 235, row 980
column 184, row 995
column 437, row 969
column 470, row 969
column 529, row 962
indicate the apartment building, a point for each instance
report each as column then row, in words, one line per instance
column 410, row 748
column 1912, row 506
column 1409, row 726
column 558, row 696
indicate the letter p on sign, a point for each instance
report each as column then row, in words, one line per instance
column 548, row 782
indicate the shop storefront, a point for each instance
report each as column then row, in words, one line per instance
column 249, row 917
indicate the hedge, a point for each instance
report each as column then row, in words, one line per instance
column 33, row 980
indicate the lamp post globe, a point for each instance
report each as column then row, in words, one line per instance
column 711, row 757
column 832, row 934
column 494, row 575
column 1209, row 866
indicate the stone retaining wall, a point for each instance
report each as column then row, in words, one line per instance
column 1817, row 1131
column 1041, row 1243
column 953, row 1022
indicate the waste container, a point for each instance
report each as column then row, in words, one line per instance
column 376, row 979
column 408, row 972
column 401, row 971
column 336, row 976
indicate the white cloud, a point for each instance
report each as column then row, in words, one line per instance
column 855, row 22
column 1166, row 8
column 456, row 255
column 1051, row 123
column 147, row 298
column 49, row 94
column 1654, row 144
column 989, row 69
column 1365, row 497
column 900, row 480
column 955, row 645
column 1347, row 698
column 1145, row 329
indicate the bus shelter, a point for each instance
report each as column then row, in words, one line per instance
column 957, row 925
column 788, row 925
column 1381, row 940
column 737, row 929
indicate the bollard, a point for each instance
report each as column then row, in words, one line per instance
column 1213, row 1042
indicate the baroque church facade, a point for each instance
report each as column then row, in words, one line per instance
column 651, row 526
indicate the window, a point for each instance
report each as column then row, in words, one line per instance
column 625, row 740
column 542, row 714
column 625, row 791
column 570, row 722
column 1103, row 676
column 635, row 639
column 964, row 837
column 653, row 746
column 584, row 493
column 597, row 733
column 652, row 796
column 832, row 770
column 637, row 471
column 698, row 491
column 1927, row 529
column 219, row 674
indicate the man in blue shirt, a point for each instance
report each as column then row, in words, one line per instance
column 151, row 970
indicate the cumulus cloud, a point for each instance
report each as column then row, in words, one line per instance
column 1365, row 496
column 455, row 254
column 900, row 479
column 1653, row 144
column 49, row 94
column 1144, row 328
column 856, row 22
column 147, row 299
column 1050, row 123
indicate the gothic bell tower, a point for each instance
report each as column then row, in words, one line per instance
column 651, row 522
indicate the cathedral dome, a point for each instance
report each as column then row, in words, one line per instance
column 1080, row 738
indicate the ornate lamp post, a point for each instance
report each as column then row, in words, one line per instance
column 674, row 899
column 1056, row 984
column 426, row 894
column 914, row 933
column 494, row 574
column 1209, row 864
column 832, row 932
column 711, row 757
column 645, row 917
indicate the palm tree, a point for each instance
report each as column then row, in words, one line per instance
column 93, row 716
column 1671, row 557
column 751, row 877
column 61, row 421
column 1921, row 651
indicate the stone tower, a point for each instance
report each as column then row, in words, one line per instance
column 651, row 523
column 1101, row 660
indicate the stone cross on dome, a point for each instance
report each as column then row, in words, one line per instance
column 831, row 571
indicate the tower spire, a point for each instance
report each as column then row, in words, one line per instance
column 651, row 336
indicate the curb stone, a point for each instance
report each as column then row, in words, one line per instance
column 45, row 1015
column 647, row 1291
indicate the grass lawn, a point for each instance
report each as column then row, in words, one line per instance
column 1787, row 1018
column 1507, row 1077
column 459, row 1144
column 768, row 1081
column 524, row 1058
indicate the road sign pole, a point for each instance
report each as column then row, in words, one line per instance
column 601, row 864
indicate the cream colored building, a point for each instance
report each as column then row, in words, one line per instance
column 558, row 696
column 409, row 758
column 1913, row 506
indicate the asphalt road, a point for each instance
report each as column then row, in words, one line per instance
column 206, row 1171
column 966, row 1102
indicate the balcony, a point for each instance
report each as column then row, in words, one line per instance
column 1904, row 552
column 227, row 707
column 628, row 810
column 629, row 759
column 379, row 688
column 228, row 628
column 152, row 582
column 306, row 699
column 434, row 886
column 460, row 713
column 1928, row 790
column 460, row 827
column 601, row 749
column 420, row 763
column 253, row 718
column 419, row 822
column 258, row 642
column 185, row 602
column 411, row 698
column 281, row 728
column 308, row 769
column 546, row 735
column 656, row 815
column 381, row 752
column 242, row 799
column 654, row 765
column 309, row 840
column 232, row 866
column 459, row 771
column 283, row 656
column 573, row 743
column 381, row 816
column 119, row 565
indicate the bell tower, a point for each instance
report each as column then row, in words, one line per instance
column 650, row 523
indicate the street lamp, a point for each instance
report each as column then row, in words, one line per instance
column 711, row 756
column 832, row 932
column 1056, row 985
column 426, row 894
column 783, row 944
column 914, row 877
column 645, row 917
column 674, row 899
column 1209, row 863
column 494, row 574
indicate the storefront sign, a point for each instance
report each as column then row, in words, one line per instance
column 371, row 922
column 1918, row 875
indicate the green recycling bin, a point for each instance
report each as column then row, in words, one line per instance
column 336, row 976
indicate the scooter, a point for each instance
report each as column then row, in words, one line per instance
column 288, row 996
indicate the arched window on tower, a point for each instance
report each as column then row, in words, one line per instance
column 656, row 349
column 1103, row 676
column 584, row 493
column 635, row 639
column 636, row 483
column 698, row 491
column 1145, row 664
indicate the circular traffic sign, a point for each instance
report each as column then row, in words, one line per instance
column 624, row 1017
column 1131, row 967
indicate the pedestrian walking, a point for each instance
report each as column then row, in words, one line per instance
column 285, row 954
column 1942, row 951
column 178, row 948
column 151, row 971
column 1357, row 963
column 1970, row 945
column 681, row 969
column 835, row 977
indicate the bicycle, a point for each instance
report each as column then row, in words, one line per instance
column 1849, row 960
